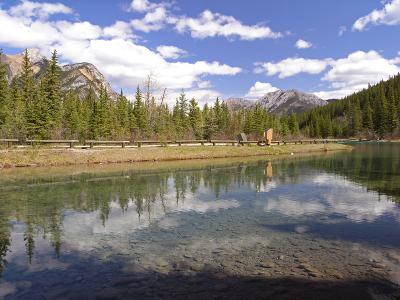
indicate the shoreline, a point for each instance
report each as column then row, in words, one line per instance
column 48, row 157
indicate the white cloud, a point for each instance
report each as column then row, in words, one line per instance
column 207, row 24
column 153, row 20
column 302, row 44
column 28, row 9
column 170, row 51
column 353, row 73
column 360, row 68
column 292, row 66
column 202, row 95
column 79, row 30
column 344, row 76
column 119, row 29
column 210, row 24
column 15, row 32
column 388, row 15
column 124, row 62
column 259, row 89
column 144, row 6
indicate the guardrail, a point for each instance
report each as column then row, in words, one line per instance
column 36, row 142
column 140, row 143
column 96, row 142
column 9, row 142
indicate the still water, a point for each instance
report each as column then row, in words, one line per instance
column 315, row 227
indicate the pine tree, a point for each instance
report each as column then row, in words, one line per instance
column 381, row 112
column 356, row 118
column 26, row 79
column 122, row 111
column 4, row 91
column 52, row 86
column 71, row 117
column 294, row 124
column 195, row 119
column 367, row 116
column 15, row 121
column 140, row 113
column 103, row 118
column 392, row 121
column 210, row 125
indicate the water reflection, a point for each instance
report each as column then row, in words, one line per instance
column 53, row 224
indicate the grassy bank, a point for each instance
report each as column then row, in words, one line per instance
column 64, row 157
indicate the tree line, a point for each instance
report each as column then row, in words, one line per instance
column 33, row 106
column 373, row 113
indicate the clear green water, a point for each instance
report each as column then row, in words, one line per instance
column 297, row 228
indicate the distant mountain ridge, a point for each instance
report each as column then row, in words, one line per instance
column 280, row 102
column 79, row 77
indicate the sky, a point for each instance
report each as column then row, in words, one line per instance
column 216, row 48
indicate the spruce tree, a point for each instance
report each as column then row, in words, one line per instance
column 294, row 124
column 71, row 117
column 4, row 91
column 52, row 85
column 140, row 113
column 367, row 116
column 195, row 119
column 15, row 121
column 122, row 113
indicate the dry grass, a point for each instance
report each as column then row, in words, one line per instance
column 64, row 157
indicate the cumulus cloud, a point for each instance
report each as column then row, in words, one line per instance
column 292, row 66
column 153, row 20
column 356, row 71
column 119, row 29
column 124, row 62
column 344, row 75
column 170, row 51
column 259, row 89
column 30, row 9
column 206, row 24
column 144, row 5
column 209, row 24
column 302, row 44
column 388, row 15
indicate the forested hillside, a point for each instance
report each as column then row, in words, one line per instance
column 32, row 107
column 373, row 112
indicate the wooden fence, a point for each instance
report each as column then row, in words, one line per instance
column 139, row 143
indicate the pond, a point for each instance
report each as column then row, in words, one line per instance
column 312, row 227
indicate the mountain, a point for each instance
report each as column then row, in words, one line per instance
column 79, row 77
column 280, row 102
column 287, row 102
column 238, row 103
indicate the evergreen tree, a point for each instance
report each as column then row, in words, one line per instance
column 71, row 117
column 52, row 87
column 4, row 91
column 15, row 121
column 195, row 119
column 140, row 112
column 367, row 116
column 356, row 118
column 294, row 124
column 122, row 113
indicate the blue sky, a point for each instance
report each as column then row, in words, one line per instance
column 216, row 48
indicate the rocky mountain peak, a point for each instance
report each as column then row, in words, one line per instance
column 79, row 77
